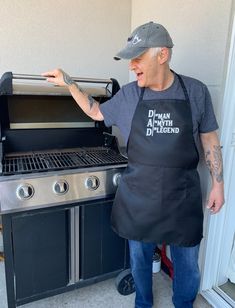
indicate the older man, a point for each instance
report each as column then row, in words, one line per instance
column 163, row 117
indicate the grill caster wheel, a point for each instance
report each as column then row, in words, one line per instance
column 125, row 282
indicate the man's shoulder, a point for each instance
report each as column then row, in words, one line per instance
column 192, row 82
column 130, row 85
column 130, row 89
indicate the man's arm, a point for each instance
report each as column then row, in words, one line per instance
column 213, row 157
column 86, row 102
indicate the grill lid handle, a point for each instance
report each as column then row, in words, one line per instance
column 6, row 82
column 77, row 79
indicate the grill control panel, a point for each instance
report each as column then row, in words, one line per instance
column 49, row 190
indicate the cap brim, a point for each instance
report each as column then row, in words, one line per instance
column 130, row 53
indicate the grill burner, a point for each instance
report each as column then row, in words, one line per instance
column 50, row 161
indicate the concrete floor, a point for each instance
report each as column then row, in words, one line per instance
column 102, row 294
column 229, row 289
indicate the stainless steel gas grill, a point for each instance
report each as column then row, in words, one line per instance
column 45, row 136
column 59, row 171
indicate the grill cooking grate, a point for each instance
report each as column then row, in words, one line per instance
column 38, row 162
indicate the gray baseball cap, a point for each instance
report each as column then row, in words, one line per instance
column 144, row 37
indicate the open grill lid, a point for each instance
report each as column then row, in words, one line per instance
column 29, row 102
column 39, row 122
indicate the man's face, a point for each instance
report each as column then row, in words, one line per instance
column 146, row 67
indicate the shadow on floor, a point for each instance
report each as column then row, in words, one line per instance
column 102, row 294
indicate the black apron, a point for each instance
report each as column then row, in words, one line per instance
column 159, row 195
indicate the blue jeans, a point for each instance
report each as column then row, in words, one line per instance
column 186, row 274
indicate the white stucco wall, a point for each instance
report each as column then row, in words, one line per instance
column 79, row 36
column 82, row 36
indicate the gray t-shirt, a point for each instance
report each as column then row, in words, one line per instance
column 119, row 110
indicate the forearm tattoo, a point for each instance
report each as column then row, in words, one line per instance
column 215, row 163
column 69, row 81
column 91, row 101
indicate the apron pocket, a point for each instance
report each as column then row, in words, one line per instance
column 174, row 183
column 144, row 181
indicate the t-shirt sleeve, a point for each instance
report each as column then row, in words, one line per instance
column 111, row 108
column 208, row 121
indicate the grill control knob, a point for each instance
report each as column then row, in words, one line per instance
column 92, row 183
column 116, row 178
column 25, row 192
column 61, row 187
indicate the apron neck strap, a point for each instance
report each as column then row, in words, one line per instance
column 183, row 86
column 141, row 94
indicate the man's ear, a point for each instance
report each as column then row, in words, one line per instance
column 163, row 55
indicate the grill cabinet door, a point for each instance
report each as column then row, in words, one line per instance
column 41, row 251
column 102, row 250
